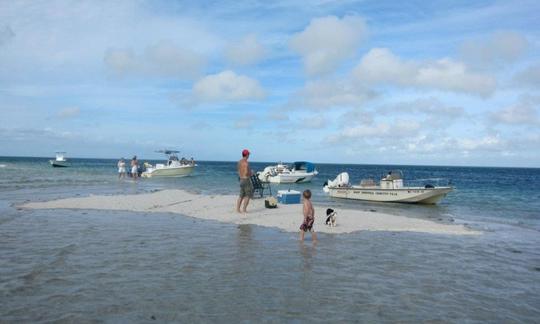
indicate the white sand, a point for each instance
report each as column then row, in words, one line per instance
column 222, row 208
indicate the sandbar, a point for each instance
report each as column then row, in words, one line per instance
column 222, row 208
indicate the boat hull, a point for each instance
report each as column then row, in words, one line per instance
column 417, row 195
column 291, row 178
column 59, row 164
column 169, row 172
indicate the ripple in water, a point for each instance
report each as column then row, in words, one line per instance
column 82, row 266
column 120, row 266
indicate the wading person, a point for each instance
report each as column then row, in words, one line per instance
column 121, row 168
column 246, row 188
column 134, row 167
column 309, row 217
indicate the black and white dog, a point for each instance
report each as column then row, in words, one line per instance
column 330, row 217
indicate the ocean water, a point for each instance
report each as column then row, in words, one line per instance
column 80, row 266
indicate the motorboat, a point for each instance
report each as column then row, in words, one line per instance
column 173, row 167
column 60, row 160
column 389, row 189
column 298, row 172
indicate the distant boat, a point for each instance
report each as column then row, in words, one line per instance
column 173, row 167
column 389, row 189
column 60, row 161
column 281, row 173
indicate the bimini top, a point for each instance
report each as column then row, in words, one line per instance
column 303, row 165
column 168, row 152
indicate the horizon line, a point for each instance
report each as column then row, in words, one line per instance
column 328, row 163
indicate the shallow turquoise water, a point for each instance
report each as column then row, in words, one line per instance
column 507, row 195
column 80, row 266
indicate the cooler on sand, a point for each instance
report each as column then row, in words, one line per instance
column 288, row 196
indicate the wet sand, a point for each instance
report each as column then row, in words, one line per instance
column 222, row 208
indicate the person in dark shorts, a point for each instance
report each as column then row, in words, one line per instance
column 309, row 217
column 246, row 188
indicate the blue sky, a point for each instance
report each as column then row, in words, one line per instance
column 445, row 83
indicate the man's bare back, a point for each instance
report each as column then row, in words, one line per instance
column 243, row 169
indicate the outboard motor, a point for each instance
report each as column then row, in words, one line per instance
column 342, row 180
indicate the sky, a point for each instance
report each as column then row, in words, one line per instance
column 363, row 82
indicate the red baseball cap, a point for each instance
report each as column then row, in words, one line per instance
column 245, row 152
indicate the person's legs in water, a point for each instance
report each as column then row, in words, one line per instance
column 238, row 204
column 246, row 202
column 242, row 196
column 246, row 191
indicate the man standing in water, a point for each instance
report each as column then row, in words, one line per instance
column 246, row 188
column 134, row 168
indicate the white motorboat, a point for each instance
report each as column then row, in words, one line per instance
column 60, row 161
column 173, row 167
column 389, row 189
column 298, row 172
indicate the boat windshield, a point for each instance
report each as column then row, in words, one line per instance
column 304, row 166
column 394, row 175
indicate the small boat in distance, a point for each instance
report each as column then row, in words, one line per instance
column 60, row 161
column 173, row 167
column 389, row 189
column 299, row 172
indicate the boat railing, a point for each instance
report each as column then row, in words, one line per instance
column 429, row 182
column 368, row 183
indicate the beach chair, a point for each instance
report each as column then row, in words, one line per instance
column 260, row 187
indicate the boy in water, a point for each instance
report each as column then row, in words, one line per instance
column 309, row 217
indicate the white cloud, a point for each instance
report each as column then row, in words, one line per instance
column 122, row 61
column 497, row 50
column 427, row 106
column 227, row 86
column 436, row 115
column 245, row 122
column 162, row 59
column 279, row 114
column 380, row 65
column 446, row 74
column 69, row 112
column 323, row 94
column 326, row 42
column 169, row 60
column 432, row 114
column 397, row 130
column 529, row 76
column 524, row 112
column 313, row 122
column 456, row 146
column 357, row 117
column 71, row 37
column 486, row 143
column 29, row 134
column 247, row 51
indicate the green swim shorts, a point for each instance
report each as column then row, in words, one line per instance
column 246, row 188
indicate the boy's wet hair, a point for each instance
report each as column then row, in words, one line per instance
column 307, row 194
